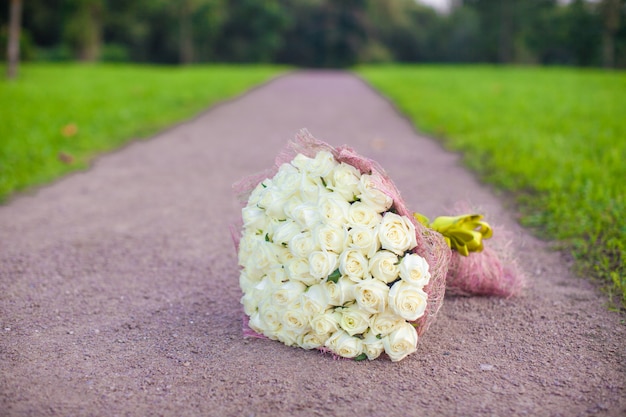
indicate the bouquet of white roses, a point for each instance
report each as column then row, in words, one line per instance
column 332, row 259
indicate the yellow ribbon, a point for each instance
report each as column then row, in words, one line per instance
column 464, row 233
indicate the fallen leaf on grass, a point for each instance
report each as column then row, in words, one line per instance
column 66, row 158
column 69, row 130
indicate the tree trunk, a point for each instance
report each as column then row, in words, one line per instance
column 608, row 50
column 611, row 20
column 13, row 46
column 505, row 46
column 186, row 33
column 93, row 41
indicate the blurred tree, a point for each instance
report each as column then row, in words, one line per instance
column 406, row 28
column 489, row 15
column 462, row 38
column 83, row 28
column 251, row 31
column 610, row 10
column 620, row 39
column 13, row 44
column 504, row 27
column 324, row 33
column 566, row 35
column 200, row 21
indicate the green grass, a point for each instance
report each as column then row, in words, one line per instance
column 56, row 117
column 553, row 137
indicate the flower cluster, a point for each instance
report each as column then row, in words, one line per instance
column 327, row 263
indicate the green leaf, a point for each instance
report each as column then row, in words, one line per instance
column 334, row 277
column 361, row 357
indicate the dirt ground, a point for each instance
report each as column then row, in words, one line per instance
column 119, row 286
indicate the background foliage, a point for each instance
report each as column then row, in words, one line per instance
column 324, row 33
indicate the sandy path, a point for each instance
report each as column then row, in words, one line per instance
column 119, row 289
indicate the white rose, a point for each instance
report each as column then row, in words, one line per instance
column 344, row 180
column 287, row 179
column 266, row 255
column 372, row 346
column 324, row 163
column 287, row 293
column 401, row 342
column 306, row 215
column 371, row 295
column 354, row 320
column 314, row 300
column 311, row 340
column 361, row 214
column 341, row 292
column 365, row 240
column 332, row 292
column 414, row 270
column 301, row 162
column 322, row 264
column 273, row 202
column 245, row 283
column 311, row 187
column 344, row 345
column 322, row 324
column 331, row 238
column 353, row 264
column 385, row 323
column 302, row 244
column 293, row 202
column 257, row 324
column 284, row 231
column 276, row 274
column 294, row 319
column 250, row 303
column 263, row 291
column 257, row 255
column 255, row 218
column 397, row 233
column 271, row 318
column 247, row 245
column 286, row 336
column 371, row 195
column 408, row 301
column 298, row 270
column 384, row 266
column 333, row 209
column 257, row 194
column 320, row 166
column 284, row 255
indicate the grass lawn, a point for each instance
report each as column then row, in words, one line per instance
column 56, row 117
column 553, row 137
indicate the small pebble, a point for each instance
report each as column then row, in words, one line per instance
column 486, row 367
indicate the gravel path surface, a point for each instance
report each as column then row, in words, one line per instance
column 119, row 286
